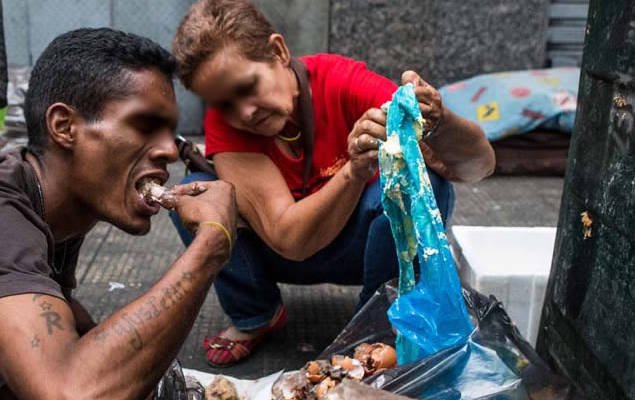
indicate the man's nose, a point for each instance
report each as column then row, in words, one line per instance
column 166, row 149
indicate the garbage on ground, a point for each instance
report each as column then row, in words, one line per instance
column 319, row 377
column 112, row 286
column 495, row 361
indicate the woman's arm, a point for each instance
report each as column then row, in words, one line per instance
column 297, row 230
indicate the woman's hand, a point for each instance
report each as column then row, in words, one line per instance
column 362, row 143
column 429, row 100
column 455, row 147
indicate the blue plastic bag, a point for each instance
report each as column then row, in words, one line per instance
column 431, row 315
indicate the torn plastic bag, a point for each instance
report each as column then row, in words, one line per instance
column 429, row 316
column 495, row 362
column 354, row 390
column 174, row 385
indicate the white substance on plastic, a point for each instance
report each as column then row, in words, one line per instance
column 392, row 145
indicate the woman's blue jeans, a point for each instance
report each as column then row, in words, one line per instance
column 363, row 253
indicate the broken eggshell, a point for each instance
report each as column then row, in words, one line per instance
column 315, row 371
column 318, row 377
column 291, row 386
column 353, row 367
column 383, row 356
column 375, row 356
column 323, row 387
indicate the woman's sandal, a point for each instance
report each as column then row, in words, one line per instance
column 222, row 352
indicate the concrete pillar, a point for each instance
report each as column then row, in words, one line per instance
column 588, row 320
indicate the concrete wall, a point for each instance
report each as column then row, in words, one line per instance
column 31, row 24
column 442, row 40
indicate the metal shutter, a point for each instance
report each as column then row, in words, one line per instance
column 565, row 34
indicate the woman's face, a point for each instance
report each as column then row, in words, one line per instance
column 253, row 96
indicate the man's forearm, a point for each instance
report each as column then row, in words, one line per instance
column 139, row 341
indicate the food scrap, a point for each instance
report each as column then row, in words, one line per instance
column 152, row 192
column 318, row 377
column 587, row 224
column 221, row 389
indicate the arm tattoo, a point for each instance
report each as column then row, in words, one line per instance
column 153, row 307
column 35, row 342
column 52, row 321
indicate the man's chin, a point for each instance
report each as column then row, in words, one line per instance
column 137, row 229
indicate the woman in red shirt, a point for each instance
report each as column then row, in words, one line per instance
column 305, row 177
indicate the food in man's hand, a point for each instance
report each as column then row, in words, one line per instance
column 221, row 389
column 152, row 192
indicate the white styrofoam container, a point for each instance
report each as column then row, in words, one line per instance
column 512, row 263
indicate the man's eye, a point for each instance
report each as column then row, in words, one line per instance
column 149, row 127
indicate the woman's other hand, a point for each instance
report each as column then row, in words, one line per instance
column 455, row 147
column 363, row 145
column 429, row 99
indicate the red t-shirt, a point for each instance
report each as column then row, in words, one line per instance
column 342, row 91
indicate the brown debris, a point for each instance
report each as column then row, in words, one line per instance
column 587, row 223
column 318, row 377
column 221, row 389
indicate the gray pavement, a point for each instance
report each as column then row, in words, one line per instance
column 114, row 268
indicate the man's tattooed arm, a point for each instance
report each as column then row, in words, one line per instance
column 150, row 309
column 125, row 355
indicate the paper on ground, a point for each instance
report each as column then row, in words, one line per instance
column 259, row 389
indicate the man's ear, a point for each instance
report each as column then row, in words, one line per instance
column 61, row 122
column 280, row 49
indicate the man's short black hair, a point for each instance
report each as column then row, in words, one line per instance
column 85, row 69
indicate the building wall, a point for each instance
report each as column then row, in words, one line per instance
column 443, row 40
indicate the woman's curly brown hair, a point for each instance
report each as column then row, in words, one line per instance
column 211, row 25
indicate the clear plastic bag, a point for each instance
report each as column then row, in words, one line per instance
column 175, row 386
column 495, row 362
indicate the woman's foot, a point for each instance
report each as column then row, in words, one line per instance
column 231, row 345
column 232, row 333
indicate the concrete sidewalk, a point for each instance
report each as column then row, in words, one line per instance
column 114, row 268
